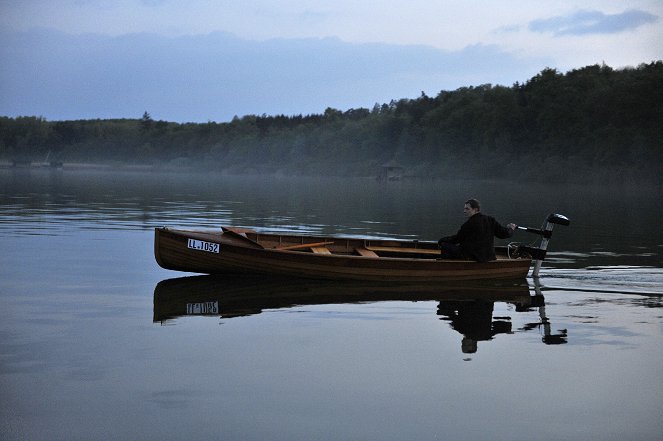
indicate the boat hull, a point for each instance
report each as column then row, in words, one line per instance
column 237, row 254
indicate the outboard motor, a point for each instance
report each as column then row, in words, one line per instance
column 538, row 254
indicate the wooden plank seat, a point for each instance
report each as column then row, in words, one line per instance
column 366, row 253
column 301, row 246
column 240, row 233
column 320, row 250
column 403, row 250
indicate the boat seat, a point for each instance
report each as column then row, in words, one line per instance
column 366, row 253
column 403, row 250
column 300, row 246
column 320, row 250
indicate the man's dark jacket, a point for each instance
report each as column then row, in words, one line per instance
column 476, row 237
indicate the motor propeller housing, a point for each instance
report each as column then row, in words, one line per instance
column 558, row 219
column 539, row 253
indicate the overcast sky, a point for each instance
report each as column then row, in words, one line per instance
column 199, row 60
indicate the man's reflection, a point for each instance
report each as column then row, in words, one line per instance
column 473, row 319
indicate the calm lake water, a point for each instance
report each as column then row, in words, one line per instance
column 97, row 342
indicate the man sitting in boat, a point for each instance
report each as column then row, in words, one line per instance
column 475, row 239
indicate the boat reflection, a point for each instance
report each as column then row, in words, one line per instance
column 468, row 307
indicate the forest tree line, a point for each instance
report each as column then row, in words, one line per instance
column 594, row 121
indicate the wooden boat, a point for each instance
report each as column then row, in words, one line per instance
column 244, row 251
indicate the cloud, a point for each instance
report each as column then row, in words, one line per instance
column 592, row 22
column 216, row 76
column 508, row 29
column 153, row 3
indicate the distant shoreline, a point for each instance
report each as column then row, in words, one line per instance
column 7, row 165
column 618, row 180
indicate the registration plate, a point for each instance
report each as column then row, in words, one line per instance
column 202, row 308
column 201, row 245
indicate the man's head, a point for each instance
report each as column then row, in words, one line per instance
column 471, row 207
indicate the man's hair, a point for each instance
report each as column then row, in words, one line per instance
column 473, row 203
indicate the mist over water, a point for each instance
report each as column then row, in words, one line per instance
column 96, row 342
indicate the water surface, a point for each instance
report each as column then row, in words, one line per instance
column 98, row 342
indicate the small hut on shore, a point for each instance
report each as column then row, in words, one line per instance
column 391, row 171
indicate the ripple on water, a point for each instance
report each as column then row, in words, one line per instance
column 643, row 280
